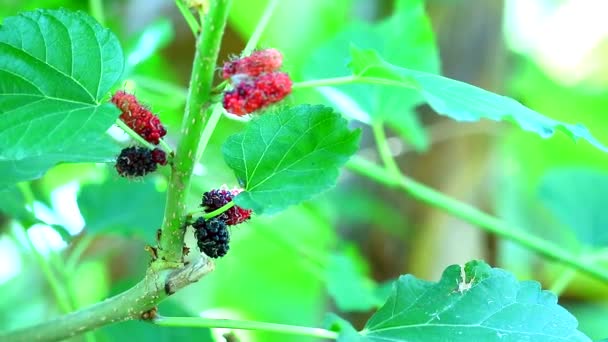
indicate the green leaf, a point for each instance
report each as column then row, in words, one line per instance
column 406, row 39
column 122, row 206
column 461, row 101
column 348, row 284
column 564, row 191
column 284, row 158
column 496, row 307
column 55, row 68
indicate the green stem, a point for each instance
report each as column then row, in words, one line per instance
column 134, row 134
column 165, row 146
column 384, row 150
column 566, row 277
column 196, row 115
column 218, row 211
column 215, row 117
column 130, row 304
column 562, row 282
column 96, row 10
column 473, row 215
column 261, row 26
column 350, row 80
column 198, row 322
column 188, row 17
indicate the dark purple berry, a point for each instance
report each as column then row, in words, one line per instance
column 212, row 236
column 217, row 198
column 135, row 161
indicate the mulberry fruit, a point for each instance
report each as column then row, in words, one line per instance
column 212, row 236
column 217, row 198
column 254, row 94
column 159, row 156
column 139, row 118
column 259, row 62
column 135, row 162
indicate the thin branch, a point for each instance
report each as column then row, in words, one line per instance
column 199, row 322
column 130, row 304
column 476, row 217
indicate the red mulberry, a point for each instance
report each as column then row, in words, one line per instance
column 259, row 62
column 217, row 198
column 138, row 117
column 251, row 95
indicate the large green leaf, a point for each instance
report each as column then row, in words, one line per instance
column 286, row 157
column 122, row 206
column 461, row 101
column 406, row 39
column 471, row 303
column 577, row 198
column 55, row 68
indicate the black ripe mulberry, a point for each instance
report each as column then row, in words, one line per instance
column 212, row 236
column 135, row 161
column 217, row 198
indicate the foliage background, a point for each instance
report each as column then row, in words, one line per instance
column 337, row 252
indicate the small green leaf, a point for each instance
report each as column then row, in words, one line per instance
column 564, row 191
column 122, row 206
column 56, row 67
column 461, row 101
column 284, row 158
column 488, row 305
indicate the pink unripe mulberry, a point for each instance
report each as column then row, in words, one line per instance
column 259, row 62
column 139, row 118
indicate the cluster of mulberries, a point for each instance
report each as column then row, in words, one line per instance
column 212, row 236
column 217, row 198
column 139, row 118
column 257, row 82
column 136, row 161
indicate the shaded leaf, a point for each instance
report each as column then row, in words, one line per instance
column 349, row 285
column 496, row 307
column 461, row 101
column 577, row 198
column 56, row 67
column 287, row 157
column 122, row 206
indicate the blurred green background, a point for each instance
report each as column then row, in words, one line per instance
column 338, row 252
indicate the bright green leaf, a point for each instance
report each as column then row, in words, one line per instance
column 461, row 101
column 122, row 206
column 406, row 39
column 284, row 158
column 565, row 190
column 488, row 305
column 55, row 69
